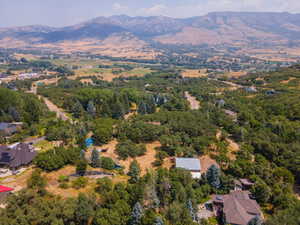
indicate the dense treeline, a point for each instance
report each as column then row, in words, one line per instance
column 19, row 107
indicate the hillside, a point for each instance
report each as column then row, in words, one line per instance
column 237, row 29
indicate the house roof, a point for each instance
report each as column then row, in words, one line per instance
column 238, row 207
column 16, row 155
column 5, row 189
column 191, row 164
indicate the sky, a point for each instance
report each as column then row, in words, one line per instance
column 68, row 12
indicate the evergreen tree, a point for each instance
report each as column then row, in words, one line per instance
column 95, row 159
column 158, row 221
column 81, row 167
column 137, row 214
column 213, row 176
column 191, row 210
column 255, row 221
column 91, row 109
column 134, row 172
column 77, row 110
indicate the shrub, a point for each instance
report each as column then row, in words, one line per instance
column 107, row 163
column 79, row 182
column 63, row 179
column 127, row 149
column 64, row 185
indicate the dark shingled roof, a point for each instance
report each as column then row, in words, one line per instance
column 16, row 155
column 238, row 207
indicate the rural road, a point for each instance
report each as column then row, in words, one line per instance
column 60, row 114
column 194, row 103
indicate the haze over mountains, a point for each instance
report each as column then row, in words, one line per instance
column 219, row 28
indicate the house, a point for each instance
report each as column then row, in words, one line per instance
column 191, row 164
column 4, row 192
column 236, row 208
column 16, row 155
column 242, row 184
column 10, row 128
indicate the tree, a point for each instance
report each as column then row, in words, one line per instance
column 213, row 176
column 81, row 167
column 84, row 209
column 37, row 181
column 137, row 214
column 255, row 221
column 77, row 109
column 261, row 192
column 158, row 221
column 191, row 210
column 107, row 163
column 134, row 171
column 95, row 159
column 91, row 109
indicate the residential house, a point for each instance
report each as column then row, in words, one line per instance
column 16, row 155
column 9, row 128
column 191, row 164
column 236, row 208
column 4, row 192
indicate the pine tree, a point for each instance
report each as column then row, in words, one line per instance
column 137, row 214
column 213, row 176
column 158, row 221
column 91, row 109
column 77, row 110
column 95, row 159
column 134, row 172
column 191, row 210
column 81, row 167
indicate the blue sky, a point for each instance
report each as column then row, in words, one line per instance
column 67, row 12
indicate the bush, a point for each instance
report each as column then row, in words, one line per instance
column 80, row 182
column 56, row 158
column 63, row 179
column 127, row 149
column 107, row 163
column 64, row 185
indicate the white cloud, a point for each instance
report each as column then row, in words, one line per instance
column 155, row 10
column 118, row 7
column 202, row 7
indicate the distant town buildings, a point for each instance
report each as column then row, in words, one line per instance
column 24, row 76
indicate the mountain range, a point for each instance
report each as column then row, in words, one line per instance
column 251, row 29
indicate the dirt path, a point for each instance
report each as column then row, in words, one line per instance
column 53, row 108
column 194, row 103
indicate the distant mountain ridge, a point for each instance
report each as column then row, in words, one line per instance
column 230, row 28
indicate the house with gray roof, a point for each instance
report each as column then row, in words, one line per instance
column 236, row 208
column 191, row 164
column 16, row 155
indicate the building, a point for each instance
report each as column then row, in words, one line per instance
column 4, row 192
column 242, row 184
column 9, row 128
column 16, row 155
column 191, row 164
column 236, row 208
